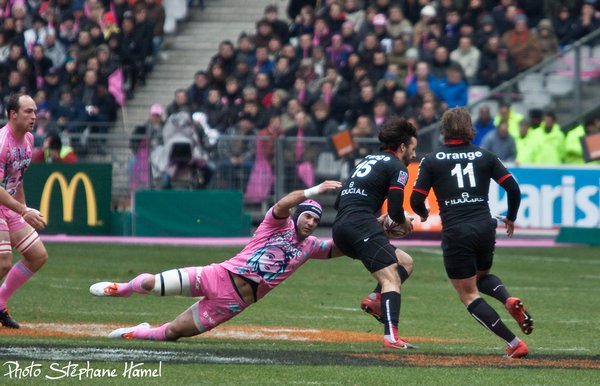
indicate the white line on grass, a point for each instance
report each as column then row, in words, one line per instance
column 119, row 355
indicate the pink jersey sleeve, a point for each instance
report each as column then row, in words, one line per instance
column 319, row 249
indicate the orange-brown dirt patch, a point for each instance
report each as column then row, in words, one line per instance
column 434, row 360
column 222, row 332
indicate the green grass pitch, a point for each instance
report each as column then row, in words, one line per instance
column 559, row 286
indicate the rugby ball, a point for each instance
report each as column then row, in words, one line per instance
column 393, row 230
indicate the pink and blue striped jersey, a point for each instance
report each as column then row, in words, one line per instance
column 274, row 253
column 15, row 157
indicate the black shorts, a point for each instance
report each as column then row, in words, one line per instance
column 363, row 239
column 469, row 247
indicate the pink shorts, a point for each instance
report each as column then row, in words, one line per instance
column 220, row 301
column 10, row 221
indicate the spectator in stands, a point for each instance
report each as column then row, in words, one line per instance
column 303, row 23
column 324, row 124
column 295, row 7
column 180, row 103
column 564, row 26
column 400, row 106
column 156, row 15
column 421, row 27
column 468, row 56
column 198, row 90
column 53, row 151
column 501, row 143
column 588, row 21
column 380, row 115
column 549, row 142
column 548, row 41
column 301, row 93
column 523, row 44
column 355, row 13
column 483, row 125
column 279, row 27
column 54, row 50
column 236, row 154
column 496, row 65
column 439, row 66
column 40, row 63
column 226, row 57
column 421, row 74
column 283, row 74
column 427, row 115
column 397, row 23
column 68, row 113
column 486, row 29
column 215, row 110
column 573, row 147
column 453, row 91
column 145, row 139
column 261, row 62
column 387, row 87
column 132, row 54
column 451, row 29
column 338, row 52
column 36, row 34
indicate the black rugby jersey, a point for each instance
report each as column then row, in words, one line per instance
column 460, row 174
column 369, row 183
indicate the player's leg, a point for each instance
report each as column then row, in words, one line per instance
column 382, row 260
column 174, row 282
column 5, row 265
column 372, row 303
column 487, row 316
column 492, row 285
column 221, row 303
column 27, row 241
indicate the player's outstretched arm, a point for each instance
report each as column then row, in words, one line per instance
column 285, row 204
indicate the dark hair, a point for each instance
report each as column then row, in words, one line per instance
column 457, row 124
column 395, row 132
column 55, row 142
column 13, row 104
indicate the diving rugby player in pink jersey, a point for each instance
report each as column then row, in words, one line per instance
column 280, row 245
column 18, row 223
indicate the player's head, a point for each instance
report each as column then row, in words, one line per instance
column 306, row 218
column 20, row 111
column 400, row 136
column 457, row 125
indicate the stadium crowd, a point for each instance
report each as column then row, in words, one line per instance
column 324, row 67
column 79, row 59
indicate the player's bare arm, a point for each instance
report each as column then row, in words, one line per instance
column 282, row 207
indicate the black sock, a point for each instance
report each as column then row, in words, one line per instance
column 491, row 285
column 489, row 318
column 403, row 277
column 390, row 310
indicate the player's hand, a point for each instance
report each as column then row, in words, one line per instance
column 424, row 218
column 381, row 218
column 408, row 223
column 510, row 225
column 34, row 218
column 328, row 186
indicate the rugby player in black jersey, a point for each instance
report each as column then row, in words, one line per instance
column 459, row 174
column 357, row 230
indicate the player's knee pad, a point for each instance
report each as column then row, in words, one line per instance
column 172, row 282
